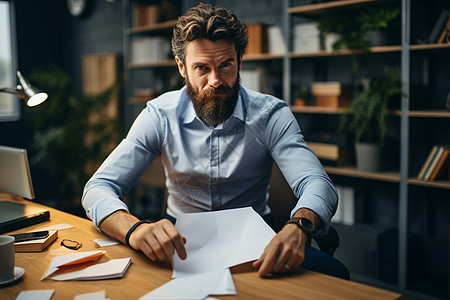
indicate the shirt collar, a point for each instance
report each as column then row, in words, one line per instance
column 190, row 114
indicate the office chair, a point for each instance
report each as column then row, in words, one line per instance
column 281, row 201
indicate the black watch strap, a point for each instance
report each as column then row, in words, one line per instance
column 304, row 224
column 133, row 228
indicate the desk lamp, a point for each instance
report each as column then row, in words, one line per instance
column 26, row 91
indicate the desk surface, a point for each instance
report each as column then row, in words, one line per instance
column 143, row 275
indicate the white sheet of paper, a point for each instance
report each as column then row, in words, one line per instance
column 36, row 295
column 100, row 295
column 61, row 226
column 197, row 286
column 68, row 258
column 220, row 239
column 115, row 268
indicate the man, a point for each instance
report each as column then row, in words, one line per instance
column 217, row 142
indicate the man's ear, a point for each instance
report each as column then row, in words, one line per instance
column 181, row 67
column 240, row 61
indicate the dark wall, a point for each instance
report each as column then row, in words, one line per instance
column 47, row 34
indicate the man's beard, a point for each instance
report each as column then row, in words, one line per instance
column 214, row 105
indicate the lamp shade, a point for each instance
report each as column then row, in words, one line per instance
column 32, row 95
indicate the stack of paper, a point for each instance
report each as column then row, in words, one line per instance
column 215, row 242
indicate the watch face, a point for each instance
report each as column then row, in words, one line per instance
column 307, row 224
column 76, row 7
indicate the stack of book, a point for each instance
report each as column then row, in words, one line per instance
column 330, row 94
column 149, row 49
column 145, row 15
column 306, row 38
column 436, row 163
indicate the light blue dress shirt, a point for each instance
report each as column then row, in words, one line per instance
column 207, row 168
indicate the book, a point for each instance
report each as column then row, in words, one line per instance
column 257, row 39
column 276, row 42
column 439, row 152
column 36, row 245
column 433, row 163
column 427, row 162
column 441, row 165
column 438, row 26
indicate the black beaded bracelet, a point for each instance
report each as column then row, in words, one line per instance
column 130, row 231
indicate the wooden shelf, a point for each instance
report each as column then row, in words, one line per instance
column 424, row 47
column 351, row 171
column 157, row 27
column 429, row 113
column 372, row 50
column 159, row 64
column 316, row 110
column 262, row 56
column 441, row 184
column 323, row 8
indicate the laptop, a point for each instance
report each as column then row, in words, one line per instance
column 15, row 179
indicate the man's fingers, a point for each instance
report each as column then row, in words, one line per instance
column 177, row 241
column 268, row 261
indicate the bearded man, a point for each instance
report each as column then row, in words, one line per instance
column 217, row 141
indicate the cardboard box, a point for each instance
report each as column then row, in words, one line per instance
column 331, row 94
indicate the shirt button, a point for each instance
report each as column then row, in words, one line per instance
column 214, row 163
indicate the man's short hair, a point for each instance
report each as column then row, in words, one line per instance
column 207, row 22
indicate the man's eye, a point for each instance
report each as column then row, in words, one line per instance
column 201, row 68
column 225, row 65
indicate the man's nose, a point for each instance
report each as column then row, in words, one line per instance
column 214, row 79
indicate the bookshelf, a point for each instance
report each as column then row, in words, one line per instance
column 415, row 129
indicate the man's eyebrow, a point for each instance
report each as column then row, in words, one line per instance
column 200, row 63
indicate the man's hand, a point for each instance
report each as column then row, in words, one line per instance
column 159, row 240
column 286, row 251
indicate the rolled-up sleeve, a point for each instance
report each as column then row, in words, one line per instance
column 104, row 192
column 300, row 166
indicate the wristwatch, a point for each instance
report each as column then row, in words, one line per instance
column 305, row 225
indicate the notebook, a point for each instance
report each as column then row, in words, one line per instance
column 15, row 178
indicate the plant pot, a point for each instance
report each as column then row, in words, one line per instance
column 368, row 157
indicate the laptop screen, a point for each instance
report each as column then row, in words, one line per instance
column 15, row 176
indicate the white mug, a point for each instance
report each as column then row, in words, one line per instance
column 6, row 257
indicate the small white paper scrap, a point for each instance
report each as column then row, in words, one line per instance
column 100, row 295
column 197, row 286
column 115, row 268
column 36, row 295
column 106, row 242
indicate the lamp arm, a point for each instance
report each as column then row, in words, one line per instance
column 12, row 91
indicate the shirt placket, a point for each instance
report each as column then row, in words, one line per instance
column 214, row 170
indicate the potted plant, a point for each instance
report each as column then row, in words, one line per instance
column 301, row 95
column 72, row 135
column 367, row 118
column 352, row 30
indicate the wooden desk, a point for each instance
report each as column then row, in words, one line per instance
column 143, row 275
